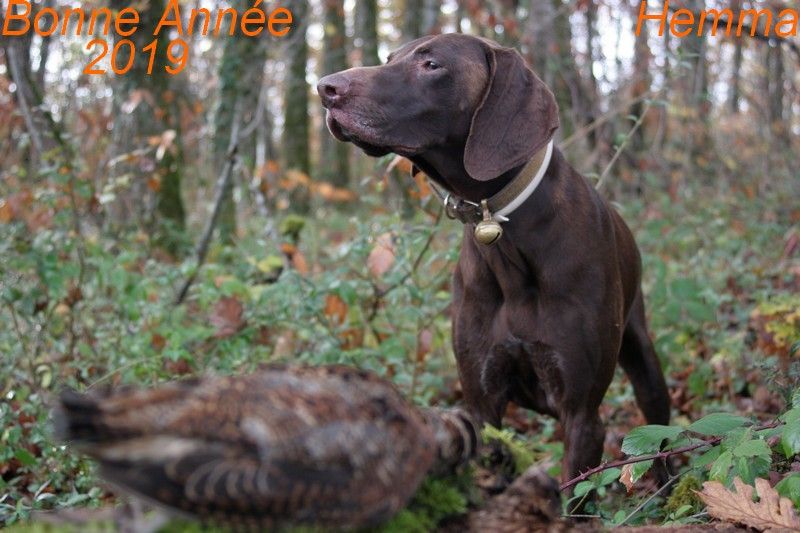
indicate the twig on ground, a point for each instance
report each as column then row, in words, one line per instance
column 642, row 505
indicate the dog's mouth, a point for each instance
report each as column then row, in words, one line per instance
column 347, row 128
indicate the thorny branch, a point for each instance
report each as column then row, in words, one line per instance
column 655, row 456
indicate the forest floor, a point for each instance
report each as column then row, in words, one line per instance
column 722, row 285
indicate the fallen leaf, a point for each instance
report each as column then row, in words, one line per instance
column 158, row 342
column 227, row 317
column 423, row 187
column 381, row 257
column 352, row 338
column 300, row 264
column 284, row 345
column 335, row 309
column 6, row 213
column 401, row 164
column 178, row 368
column 424, row 342
column 329, row 192
column 293, row 179
column 769, row 513
column 154, row 183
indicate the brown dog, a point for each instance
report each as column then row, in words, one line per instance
column 542, row 315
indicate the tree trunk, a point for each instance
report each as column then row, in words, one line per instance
column 642, row 62
column 570, row 88
column 736, row 74
column 541, row 40
column 412, row 19
column 240, row 76
column 28, row 95
column 296, row 127
column 693, row 85
column 776, row 79
column 145, row 107
column 431, row 17
column 367, row 31
column 333, row 165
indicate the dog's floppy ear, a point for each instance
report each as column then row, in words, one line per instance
column 516, row 117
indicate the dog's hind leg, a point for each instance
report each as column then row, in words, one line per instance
column 638, row 358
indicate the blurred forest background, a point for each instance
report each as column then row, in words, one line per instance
column 136, row 247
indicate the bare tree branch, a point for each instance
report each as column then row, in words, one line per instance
column 222, row 183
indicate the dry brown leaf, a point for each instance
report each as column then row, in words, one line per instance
column 154, row 183
column 352, row 338
column 227, row 317
column 399, row 162
column 293, row 179
column 626, row 477
column 6, row 213
column 423, row 188
column 335, row 309
column 300, row 264
column 329, row 192
column 424, row 342
column 770, row 513
column 284, row 345
column 381, row 257
column 157, row 342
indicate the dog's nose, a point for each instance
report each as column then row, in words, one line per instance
column 333, row 89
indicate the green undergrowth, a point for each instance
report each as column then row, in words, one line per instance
column 373, row 290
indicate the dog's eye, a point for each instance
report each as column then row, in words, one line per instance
column 432, row 65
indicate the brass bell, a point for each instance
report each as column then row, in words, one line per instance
column 488, row 230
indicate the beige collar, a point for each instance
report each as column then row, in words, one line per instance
column 505, row 201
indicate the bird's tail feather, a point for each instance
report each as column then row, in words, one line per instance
column 79, row 418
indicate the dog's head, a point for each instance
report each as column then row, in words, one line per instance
column 450, row 90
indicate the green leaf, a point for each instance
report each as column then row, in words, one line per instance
column 743, row 468
column 789, row 487
column 796, row 394
column 648, row 439
column 609, row 476
column 790, row 439
column 684, row 288
column 619, row 516
column 707, row 458
column 700, row 311
column 638, row 470
column 791, row 415
column 721, row 467
column 752, row 448
column 25, row 457
column 717, row 424
column 582, row 488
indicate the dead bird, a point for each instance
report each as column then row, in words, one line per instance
column 330, row 446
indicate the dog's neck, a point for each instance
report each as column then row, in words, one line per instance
column 446, row 166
